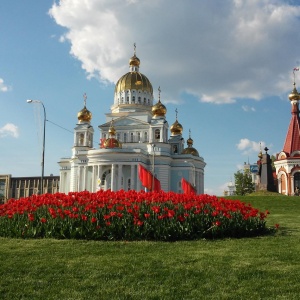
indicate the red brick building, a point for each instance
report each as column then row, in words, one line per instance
column 287, row 162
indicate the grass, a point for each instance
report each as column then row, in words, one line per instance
column 265, row 267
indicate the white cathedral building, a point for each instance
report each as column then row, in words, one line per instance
column 136, row 133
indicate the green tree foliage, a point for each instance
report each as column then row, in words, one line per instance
column 243, row 183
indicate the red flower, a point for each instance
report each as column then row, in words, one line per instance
column 217, row 223
column 156, row 209
column 147, row 216
column 43, row 220
column 31, row 217
column 93, row 220
column 276, row 226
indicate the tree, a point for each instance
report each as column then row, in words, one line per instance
column 243, row 183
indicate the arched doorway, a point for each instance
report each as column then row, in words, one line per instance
column 296, row 180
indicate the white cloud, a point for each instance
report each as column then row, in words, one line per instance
column 9, row 129
column 3, row 87
column 248, row 146
column 218, row 51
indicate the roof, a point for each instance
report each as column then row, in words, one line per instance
column 292, row 140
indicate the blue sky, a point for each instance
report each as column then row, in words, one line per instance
column 225, row 65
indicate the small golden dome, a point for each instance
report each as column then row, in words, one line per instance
column 112, row 143
column 84, row 115
column 294, row 95
column 134, row 61
column 260, row 155
column 176, row 128
column 190, row 141
column 190, row 149
column 159, row 109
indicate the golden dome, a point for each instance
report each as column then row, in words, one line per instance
column 176, row 128
column 260, row 155
column 112, row 143
column 190, row 141
column 159, row 109
column 84, row 115
column 134, row 81
column 190, row 149
column 294, row 95
column 134, row 61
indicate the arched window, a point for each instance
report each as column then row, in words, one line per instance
column 125, row 138
column 81, row 139
column 145, row 136
column 131, row 137
column 157, row 134
column 297, row 180
column 139, row 136
column 133, row 99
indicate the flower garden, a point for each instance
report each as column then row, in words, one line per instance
column 129, row 215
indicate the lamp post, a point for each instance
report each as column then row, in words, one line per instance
column 194, row 172
column 43, row 153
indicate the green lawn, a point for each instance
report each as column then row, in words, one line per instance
column 250, row 268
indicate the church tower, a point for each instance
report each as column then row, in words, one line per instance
column 287, row 162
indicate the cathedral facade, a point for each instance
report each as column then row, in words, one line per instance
column 136, row 134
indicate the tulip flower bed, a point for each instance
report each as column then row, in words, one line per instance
column 131, row 215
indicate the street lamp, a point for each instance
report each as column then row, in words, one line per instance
column 194, row 172
column 43, row 153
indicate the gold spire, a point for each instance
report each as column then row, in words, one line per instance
column 159, row 109
column 176, row 127
column 190, row 149
column 84, row 115
column 112, row 142
column 134, row 60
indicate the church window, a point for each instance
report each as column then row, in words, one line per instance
column 127, row 100
column 118, row 136
column 81, row 139
column 125, row 137
column 139, row 136
column 175, row 149
column 157, row 134
column 145, row 136
column 122, row 100
column 139, row 99
column 128, row 184
column 133, row 99
column 131, row 137
column 144, row 100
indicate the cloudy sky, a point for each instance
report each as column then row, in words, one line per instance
column 226, row 65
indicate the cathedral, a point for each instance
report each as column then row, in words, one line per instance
column 287, row 162
column 135, row 137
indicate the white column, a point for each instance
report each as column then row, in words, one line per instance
column 94, row 181
column 120, row 172
column 99, row 176
column 132, row 181
column 84, row 178
column 112, row 183
column 292, row 192
column 138, row 182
